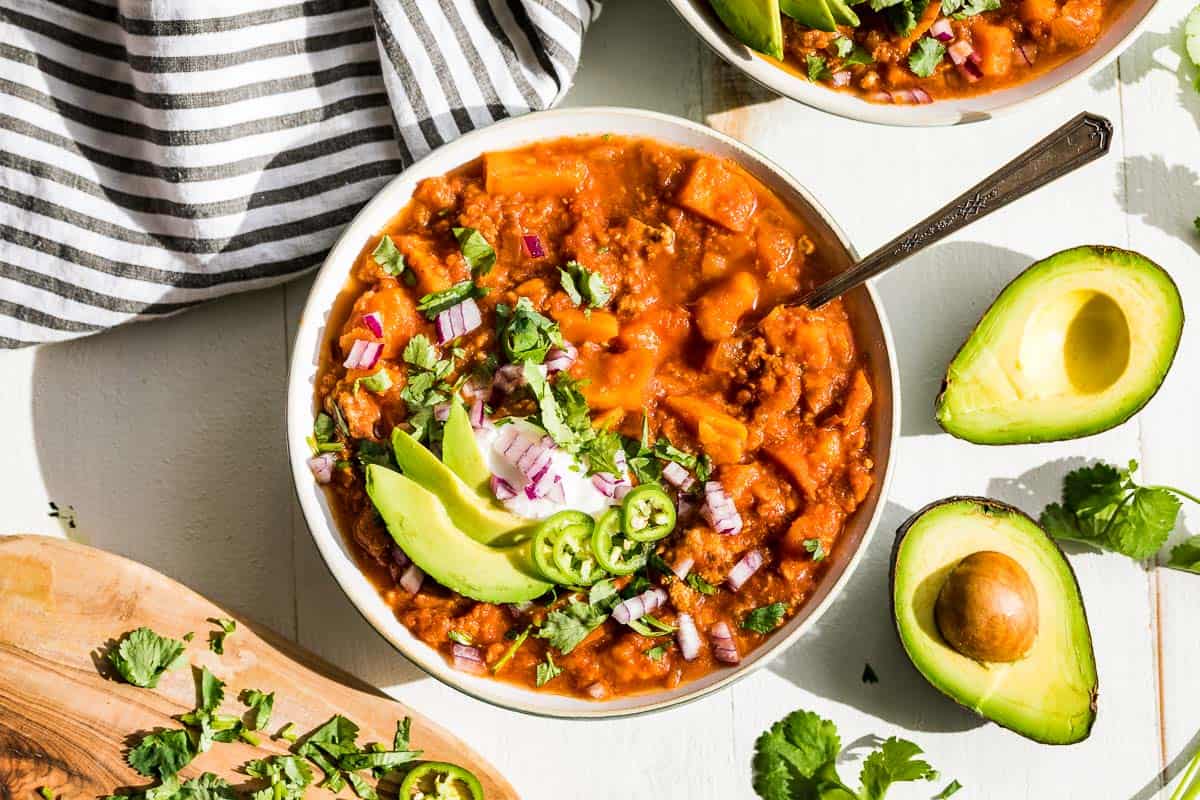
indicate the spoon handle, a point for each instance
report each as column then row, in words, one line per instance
column 1080, row 141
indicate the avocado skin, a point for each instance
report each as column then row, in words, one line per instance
column 1099, row 251
column 987, row 504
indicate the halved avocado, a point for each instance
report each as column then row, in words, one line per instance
column 756, row 23
column 1075, row 345
column 480, row 518
column 815, row 14
column 419, row 524
column 461, row 453
column 1046, row 687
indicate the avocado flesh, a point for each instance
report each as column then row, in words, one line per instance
column 419, row 524
column 1075, row 345
column 815, row 14
column 1050, row 694
column 843, row 14
column 479, row 517
column 755, row 23
column 461, row 453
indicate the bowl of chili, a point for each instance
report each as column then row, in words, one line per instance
column 915, row 63
column 760, row 475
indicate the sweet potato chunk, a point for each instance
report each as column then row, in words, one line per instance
column 858, row 401
column 616, row 380
column 1042, row 11
column 811, row 461
column 718, row 311
column 533, row 174
column 586, row 326
column 1079, row 24
column 716, row 192
column 994, row 43
column 400, row 320
column 722, row 436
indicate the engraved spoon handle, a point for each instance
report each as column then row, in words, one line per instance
column 1080, row 141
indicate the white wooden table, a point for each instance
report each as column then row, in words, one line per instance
column 167, row 440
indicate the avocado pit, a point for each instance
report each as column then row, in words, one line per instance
column 987, row 609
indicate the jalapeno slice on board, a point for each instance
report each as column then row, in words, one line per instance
column 439, row 779
column 547, row 537
column 615, row 551
column 647, row 513
column 573, row 551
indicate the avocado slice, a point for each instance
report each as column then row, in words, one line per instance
column 419, row 524
column 756, row 23
column 1049, row 693
column 461, row 453
column 480, row 518
column 1075, row 345
column 815, row 14
column 843, row 14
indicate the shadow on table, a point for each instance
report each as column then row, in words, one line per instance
column 857, row 630
column 1138, row 61
column 933, row 301
column 1166, row 196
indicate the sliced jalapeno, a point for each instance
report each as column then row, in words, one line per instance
column 439, row 779
column 573, row 551
column 647, row 514
column 615, row 551
column 546, row 539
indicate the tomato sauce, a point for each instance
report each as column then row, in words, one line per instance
column 699, row 256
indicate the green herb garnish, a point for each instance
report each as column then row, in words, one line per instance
column 1186, row 555
column 816, row 67
column 475, row 249
column 951, row 789
column 435, row 303
column 765, row 618
column 925, row 56
column 143, row 656
column 511, row 651
column 526, row 335
column 387, row 256
column 260, row 704
column 378, row 383
column 584, row 286
column 460, row 638
column 961, row 9
column 699, row 584
column 216, row 639
column 547, row 671
column 813, row 546
column 566, row 627
column 657, row 652
column 162, row 754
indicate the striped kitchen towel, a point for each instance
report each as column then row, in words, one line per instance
column 157, row 153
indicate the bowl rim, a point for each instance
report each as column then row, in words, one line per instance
column 298, row 411
column 764, row 72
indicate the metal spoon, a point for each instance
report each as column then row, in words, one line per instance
column 1081, row 141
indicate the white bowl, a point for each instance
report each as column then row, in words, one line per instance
column 1118, row 35
column 874, row 336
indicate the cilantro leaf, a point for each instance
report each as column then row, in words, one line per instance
column 403, row 731
column 859, row 55
column 216, row 639
column 288, row 776
column 562, row 409
column 843, row 46
column 388, row 256
column 435, row 303
column 816, row 68
column 961, row 9
column 1186, row 555
column 142, row 657
column 699, row 584
column 162, row 754
column 211, row 691
column 924, row 58
column 420, row 352
column 584, row 286
column 657, row 652
column 475, row 249
column 261, row 705
column 547, row 671
column 323, row 429
column 207, row 787
column 791, row 753
column 526, row 335
column 602, row 451
column 813, row 546
column 372, row 452
column 378, row 383
column 764, row 619
column 894, row 762
column 565, row 628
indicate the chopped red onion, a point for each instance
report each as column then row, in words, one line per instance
column 610, row 485
column 941, row 30
column 561, row 358
column 916, row 95
column 880, row 97
column 508, row 378
column 374, row 322
column 596, row 691
column 724, row 648
column 557, row 493
column 523, row 452
column 356, row 351
column 322, row 467
column 533, row 245
column 467, row 658
column 688, row 637
column 639, row 606
column 960, row 51
column 399, row 556
column 921, row 96
column 841, row 78
column 478, row 416
column 457, row 320
column 1028, row 53
column 970, row 70
column 677, row 476
column 502, row 489
column 719, row 510
column 441, row 412
column 363, row 354
column 540, row 485
column 743, row 569
column 412, row 579
column 683, row 566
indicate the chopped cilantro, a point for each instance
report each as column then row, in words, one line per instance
column 1186, row 555
column 816, row 67
column 699, row 584
column 925, row 57
column 323, row 429
column 475, row 249
column 657, row 652
column 260, row 704
column 562, row 409
column 843, row 46
column 435, row 303
column 387, row 256
column 460, row 638
column 143, row 656
column 700, row 465
column 902, row 14
column 420, row 352
column 162, row 754
column 371, row 452
column 951, row 789
column 869, row 675
column 565, row 628
column 403, row 731
column 651, row 626
column 1104, row 507
column 216, row 639
column 813, row 546
column 526, row 335
column 47, row 792
column 797, row 757
column 547, row 671
column 961, row 9
column 859, row 55
column 584, row 286
column 511, row 651
column 764, row 619
column 602, row 451
column 378, row 383
column 288, row 776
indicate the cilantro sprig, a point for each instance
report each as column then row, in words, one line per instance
column 764, row 619
column 1104, row 507
column 566, row 627
column 1186, row 555
column 925, row 56
column 526, row 335
column 797, row 758
column 479, row 255
column 584, row 286
column 142, row 657
column 388, row 256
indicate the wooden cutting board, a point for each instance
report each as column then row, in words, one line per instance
column 66, row 723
